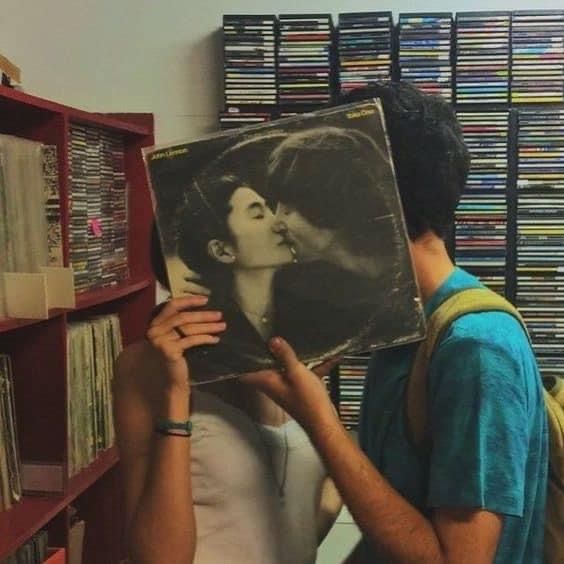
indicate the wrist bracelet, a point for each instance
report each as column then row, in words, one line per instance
column 178, row 428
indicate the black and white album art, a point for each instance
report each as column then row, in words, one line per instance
column 295, row 229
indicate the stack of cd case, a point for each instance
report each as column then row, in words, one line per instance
column 425, row 52
column 364, row 46
column 115, row 266
column 481, row 216
column 537, row 56
column 304, row 59
column 94, row 191
column 352, row 372
column 482, row 57
column 78, row 205
column 249, row 43
column 540, row 233
column 233, row 118
column 98, row 207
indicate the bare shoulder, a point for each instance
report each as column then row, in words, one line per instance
column 138, row 372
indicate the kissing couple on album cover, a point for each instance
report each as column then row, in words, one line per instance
column 294, row 229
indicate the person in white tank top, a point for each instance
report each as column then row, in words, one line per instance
column 247, row 486
column 265, row 507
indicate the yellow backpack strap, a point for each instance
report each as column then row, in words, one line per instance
column 554, row 399
column 472, row 300
column 554, row 517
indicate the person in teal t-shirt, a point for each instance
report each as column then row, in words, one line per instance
column 488, row 426
column 480, row 495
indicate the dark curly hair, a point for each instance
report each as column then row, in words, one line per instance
column 430, row 157
column 201, row 219
column 206, row 202
column 204, row 218
column 344, row 196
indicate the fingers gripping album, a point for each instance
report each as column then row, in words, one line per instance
column 294, row 228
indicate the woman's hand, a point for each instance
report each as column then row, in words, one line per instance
column 176, row 329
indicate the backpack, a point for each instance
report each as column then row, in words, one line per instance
column 474, row 300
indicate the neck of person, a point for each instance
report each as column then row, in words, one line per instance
column 256, row 405
column 253, row 292
column 260, row 408
column 431, row 262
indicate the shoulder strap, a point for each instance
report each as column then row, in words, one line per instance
column 554, row 399
column 472, row 300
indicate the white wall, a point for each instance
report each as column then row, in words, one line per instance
column 156, row 56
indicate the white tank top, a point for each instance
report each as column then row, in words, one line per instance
column 238, row 468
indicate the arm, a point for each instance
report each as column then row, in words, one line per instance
column 397, row 529
column 156, row 472
column 160, row 524
column 329, row 507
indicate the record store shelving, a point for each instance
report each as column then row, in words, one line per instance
column 38, row 348
column 425, row 51
column 504, row 74
column 540, row 232
column 364, row 48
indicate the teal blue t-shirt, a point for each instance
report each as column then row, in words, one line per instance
column 487, row 422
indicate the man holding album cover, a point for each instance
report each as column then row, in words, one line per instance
column 477, row 493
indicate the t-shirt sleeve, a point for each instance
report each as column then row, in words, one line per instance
column 478, row 425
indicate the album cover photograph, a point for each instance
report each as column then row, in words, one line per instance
column 295, row 229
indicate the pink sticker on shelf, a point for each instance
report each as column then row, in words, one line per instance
column 95, row 227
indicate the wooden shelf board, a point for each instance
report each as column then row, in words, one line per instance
column 98, row 296
column 9, row 323
column 75, row 115
column 28, row 516
column 24, row 519
column 87, row 476
column 84, row 300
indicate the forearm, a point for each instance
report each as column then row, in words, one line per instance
column 396, row 529
column 163, row 527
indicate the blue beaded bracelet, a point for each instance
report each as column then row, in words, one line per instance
column 175, row 428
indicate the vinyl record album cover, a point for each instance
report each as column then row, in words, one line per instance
column 296, row 229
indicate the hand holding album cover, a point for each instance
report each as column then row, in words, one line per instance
column 295, row 229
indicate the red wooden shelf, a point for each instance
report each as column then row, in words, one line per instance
column 84, row 300
column 25, row 518
column 38, row 347
column 87, row 476
column 98, row 296
column 9, row 323
column 56, row 556
column 74, row 114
